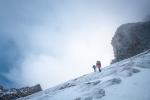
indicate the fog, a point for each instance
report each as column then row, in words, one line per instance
column 51, row 41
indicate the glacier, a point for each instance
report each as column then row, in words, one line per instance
column 124, row 80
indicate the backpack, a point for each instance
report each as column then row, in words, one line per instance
column 98, row 64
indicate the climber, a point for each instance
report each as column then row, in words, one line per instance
column 94, row 67
column 98, row 65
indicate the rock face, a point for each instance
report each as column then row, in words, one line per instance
column 9, row 94
column 131, row 39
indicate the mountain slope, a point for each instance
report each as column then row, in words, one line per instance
column 125, row 80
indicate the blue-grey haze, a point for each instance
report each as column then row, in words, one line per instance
column 44, row 41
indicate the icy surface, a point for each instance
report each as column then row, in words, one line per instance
column 125, row 80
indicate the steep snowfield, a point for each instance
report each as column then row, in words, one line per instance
column 125, row 80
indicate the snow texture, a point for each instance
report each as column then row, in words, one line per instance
column 124, row 80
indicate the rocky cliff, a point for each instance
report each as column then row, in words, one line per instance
column 131, row 39
column 9, row 94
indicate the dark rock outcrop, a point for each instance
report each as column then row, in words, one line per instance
column 131, row 39
column 9, row 94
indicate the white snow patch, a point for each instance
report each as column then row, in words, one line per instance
column 124, row 80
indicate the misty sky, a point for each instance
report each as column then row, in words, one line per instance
column 51, row 41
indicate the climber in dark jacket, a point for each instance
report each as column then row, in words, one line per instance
column 94, row 67
column 98, row 65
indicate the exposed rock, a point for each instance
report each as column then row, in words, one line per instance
column 9, row 94
column 131, row 39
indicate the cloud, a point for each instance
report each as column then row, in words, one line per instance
column 49, row 42
column 10, row 57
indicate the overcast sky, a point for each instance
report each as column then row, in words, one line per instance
column 51, row 41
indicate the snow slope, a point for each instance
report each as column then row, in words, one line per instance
column 125, row 80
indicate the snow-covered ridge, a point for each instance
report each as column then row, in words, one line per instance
column 124, row 80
